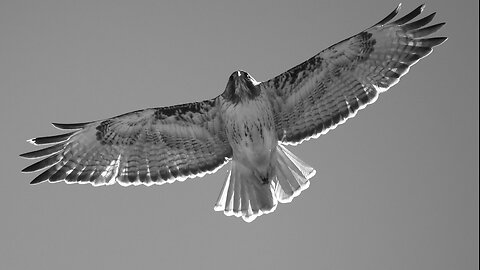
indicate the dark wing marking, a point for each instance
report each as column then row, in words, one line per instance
column 150, row 146
column 324, row 91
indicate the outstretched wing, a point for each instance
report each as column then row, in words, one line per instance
column 150, row 146
column 332, row 86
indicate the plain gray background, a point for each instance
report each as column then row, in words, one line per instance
column 396, row 187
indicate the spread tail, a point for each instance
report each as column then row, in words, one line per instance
column 244, row 195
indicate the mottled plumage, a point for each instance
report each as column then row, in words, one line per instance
column 248, row 123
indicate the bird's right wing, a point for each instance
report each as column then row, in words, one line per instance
column 324, row 91
column 150, row 146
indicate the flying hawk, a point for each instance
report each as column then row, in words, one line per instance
column 248, row 124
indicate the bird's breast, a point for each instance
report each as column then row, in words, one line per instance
column 250, row 130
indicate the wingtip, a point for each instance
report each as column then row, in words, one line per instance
column 390, row 16
column 24, row 155
column 399, row 6
column 51, row 139
column 32, row 141
column 28, row 169
column 422, row 7
column 35, row 182
column 441, row 40
column 397, row 9
column 408, row 17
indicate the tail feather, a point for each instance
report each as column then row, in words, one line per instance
column 245, row 195
column 292, row 175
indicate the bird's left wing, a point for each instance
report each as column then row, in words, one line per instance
column 150, row 146
column 322, row 92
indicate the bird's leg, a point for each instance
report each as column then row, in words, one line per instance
column 265, row 177
column 265, row 180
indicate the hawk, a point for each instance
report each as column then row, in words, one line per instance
column 247, row 125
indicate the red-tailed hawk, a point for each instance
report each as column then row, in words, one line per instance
column 247, row 124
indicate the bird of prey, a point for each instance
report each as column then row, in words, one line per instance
column 247, row 125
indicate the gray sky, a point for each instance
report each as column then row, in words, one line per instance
column 396, row 187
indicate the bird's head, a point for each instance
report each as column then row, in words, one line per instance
column 240, row 87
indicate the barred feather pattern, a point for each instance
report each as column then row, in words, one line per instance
column 324, row 91
column 151, row 146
